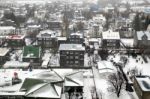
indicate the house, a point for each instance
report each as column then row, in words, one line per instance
column 99, row 19
column 15, row 40
column 61, row 40
column 76, row 38
column 47, row 38
column 142, row 41
column 31, row 54
column 71, row 55
column 110, row 39
column 126, row 32
column 6, row 30
column 142, row 86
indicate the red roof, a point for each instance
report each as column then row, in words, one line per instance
column 15, row 37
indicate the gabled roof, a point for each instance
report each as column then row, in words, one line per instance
column 140, row 35
column 74, row 79
column 40, row 88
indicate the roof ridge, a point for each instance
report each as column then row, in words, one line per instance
column 37, row 89
column 72, row 80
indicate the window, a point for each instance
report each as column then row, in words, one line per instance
column 76, row 57
column 67, row 52
column 67, row 62
column 76, row 53
column 71, row 57
column 71, row 62
column 76, row 62
column 71, row 52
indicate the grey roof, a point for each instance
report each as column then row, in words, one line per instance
column 78, row 47
column 140, row 34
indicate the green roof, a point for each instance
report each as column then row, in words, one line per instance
column 31, row 52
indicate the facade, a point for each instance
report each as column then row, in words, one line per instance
column 76, row 38
column 15, row 40
column 47, row 39
column 54, row 24
column 110, row 39
column 141, row 85
column 71, row 55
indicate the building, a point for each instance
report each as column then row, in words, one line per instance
column 99, row 19
column 39, row 84
column 4, row 55
column 47, row 39
column 110, row 39
column 76, row 38
column 142, row 41
column 31, row 54
column 71, row 55
column 54, row 24
column 5, row 30
column 15, row 40
column 142, row 87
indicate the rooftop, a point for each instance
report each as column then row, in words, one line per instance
column 16, row 37
column 74, row 79
column 71, row 47
column 16, row 64
column 7, row 28
column 31, row 52
column 3, row 51
column 110, row 35
column 140, row 34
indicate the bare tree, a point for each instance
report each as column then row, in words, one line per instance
column 116, row 79
column 134, row 72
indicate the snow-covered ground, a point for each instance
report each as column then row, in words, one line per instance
column 105, row 89
column 132, row 63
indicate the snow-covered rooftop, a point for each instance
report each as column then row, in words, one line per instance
column 110, row 35
column 74, row 79
column 140, row 34
column 105, row 65
column 47, row 34
column 7, row 28
column 16, row 64
column 78, row 47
